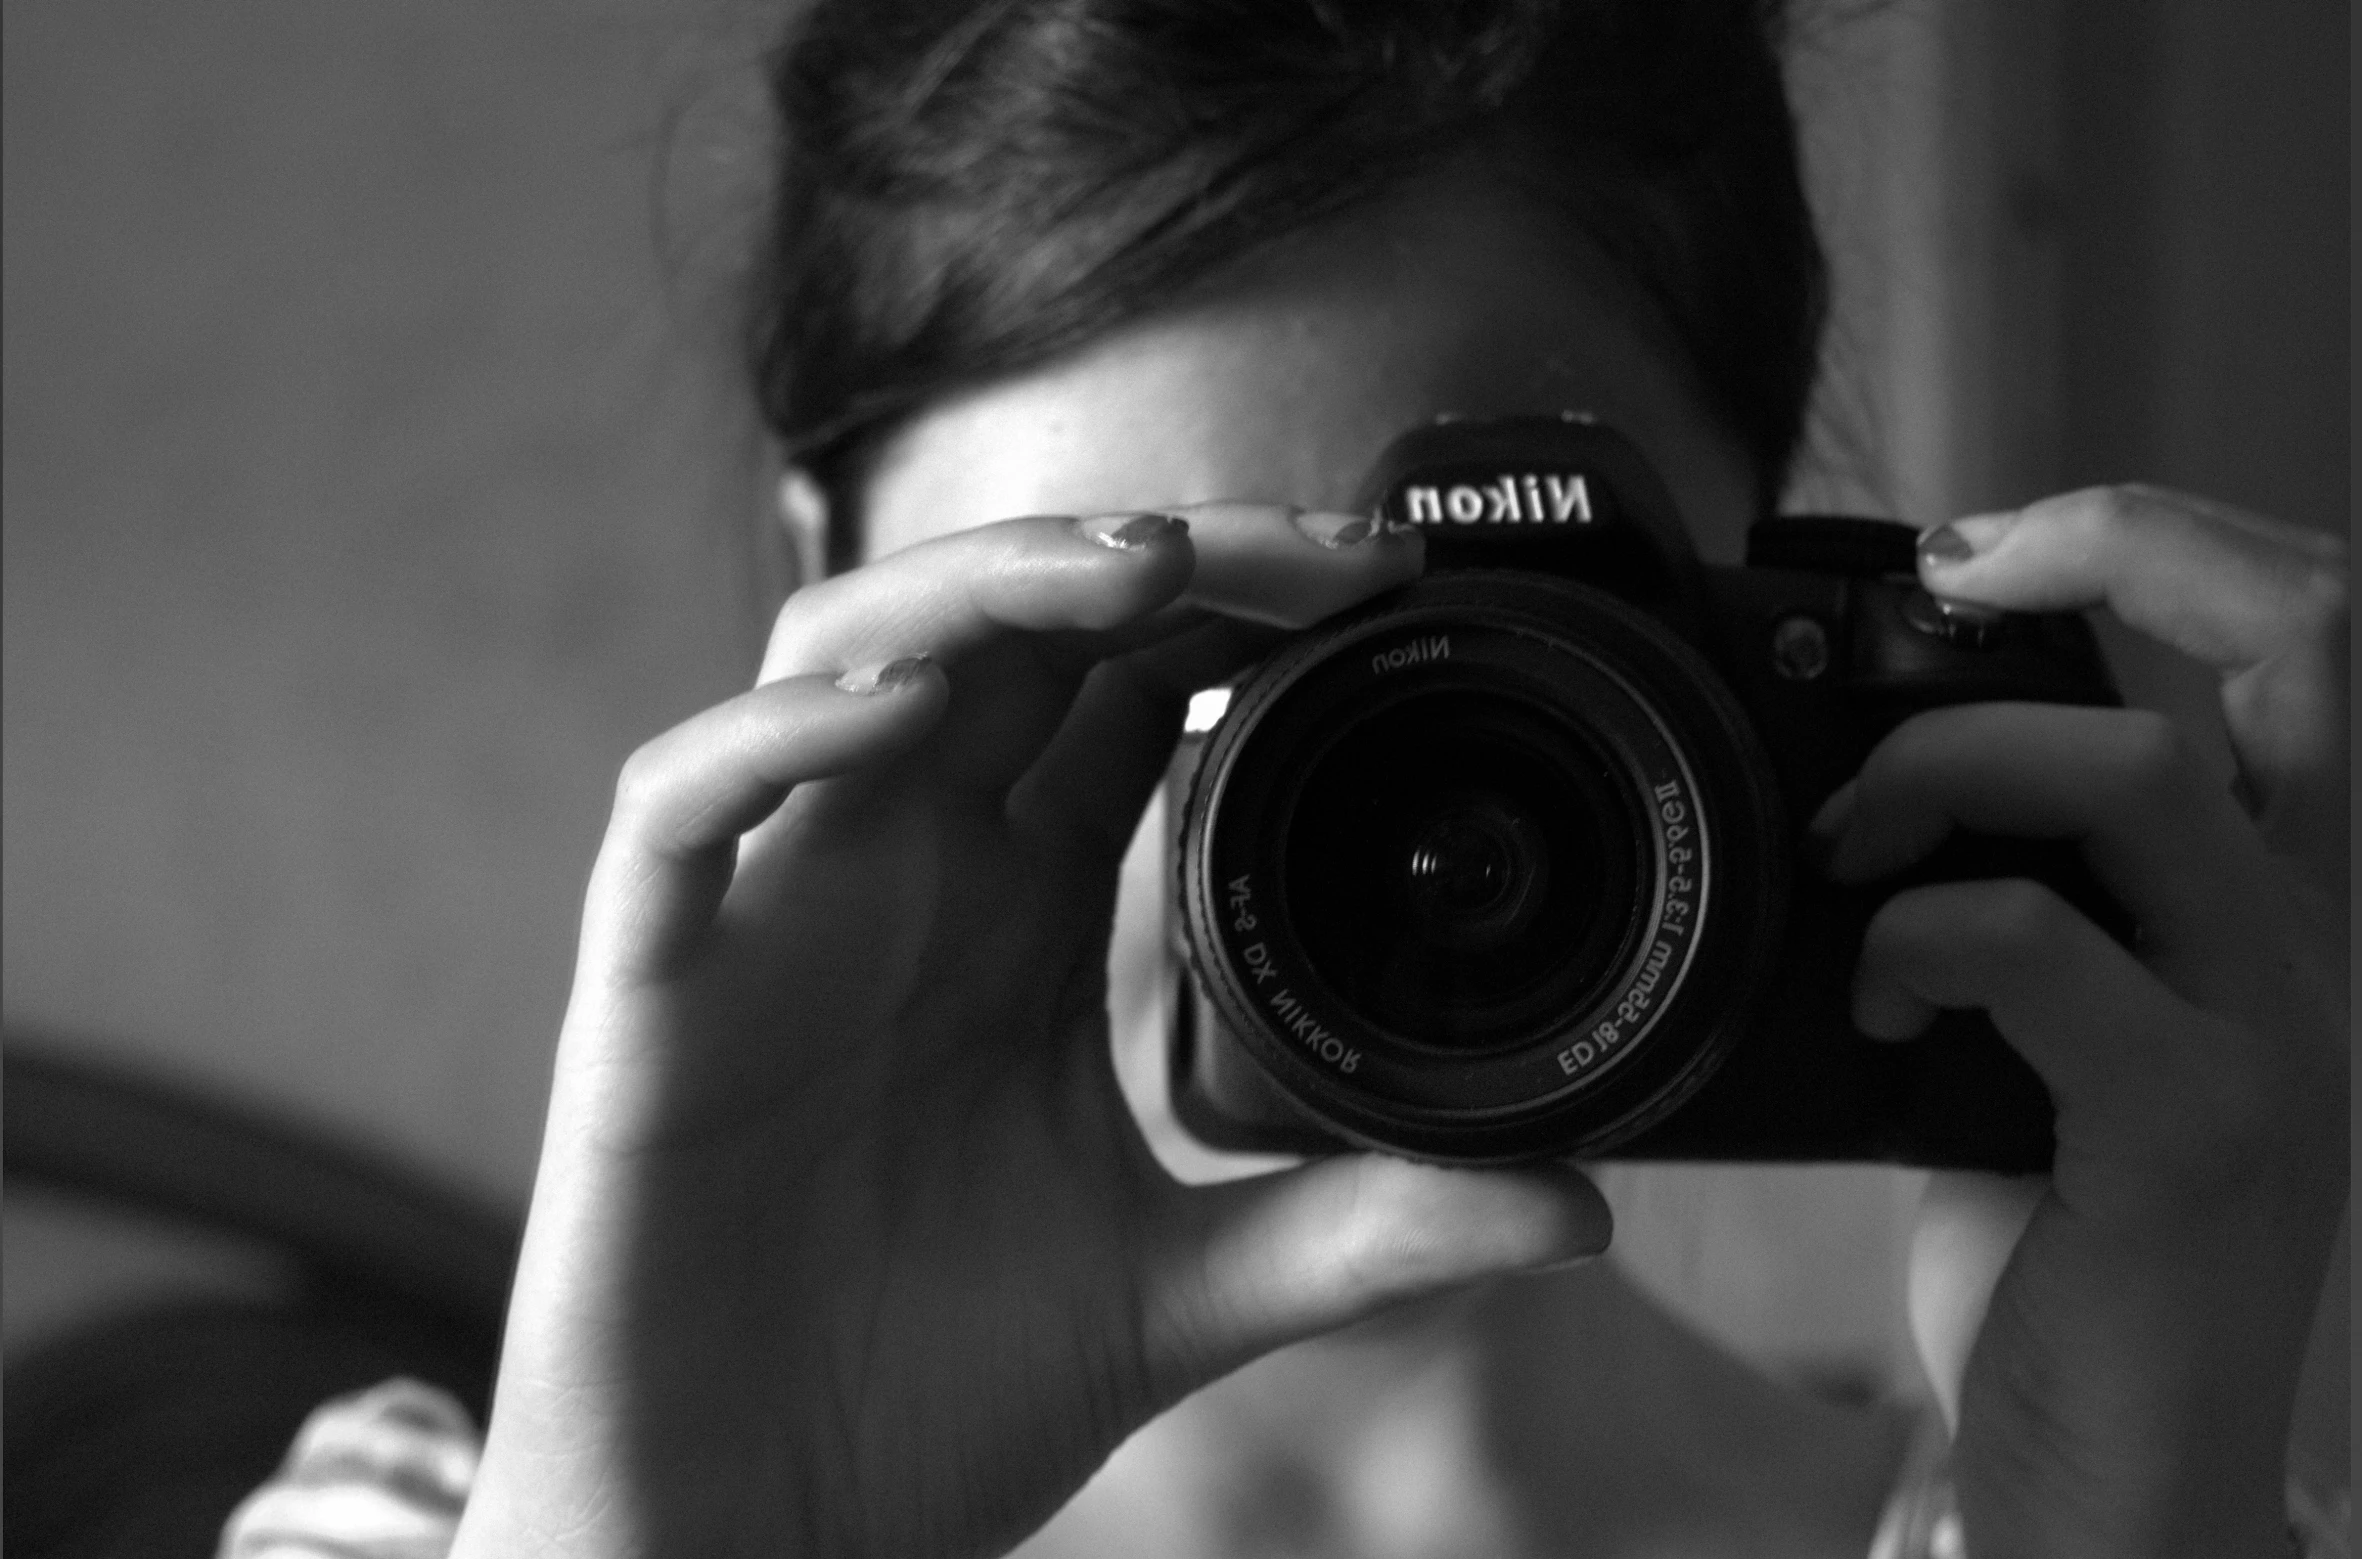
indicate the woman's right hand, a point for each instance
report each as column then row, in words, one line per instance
column 2119, row 1346
column 843, row 1238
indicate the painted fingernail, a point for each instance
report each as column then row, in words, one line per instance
column 1970, row 536
column 1334, row 531
column 1943, row 546
column 1131, row 532
column 885, row 678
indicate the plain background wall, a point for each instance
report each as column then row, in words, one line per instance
column 369, row 494
column 374, row 482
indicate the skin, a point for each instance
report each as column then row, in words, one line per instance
column 844, row 1239
column 1287, row 380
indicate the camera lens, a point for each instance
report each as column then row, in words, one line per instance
column 1460, row 868
column 1484, row 870
column 1473, row 871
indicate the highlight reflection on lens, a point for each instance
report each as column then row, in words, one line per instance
column 1475, row 870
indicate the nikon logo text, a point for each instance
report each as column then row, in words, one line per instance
column 1505, row 500
column 1436, row 646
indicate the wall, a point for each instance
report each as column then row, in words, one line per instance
column 370, row 492
column 2205, row 191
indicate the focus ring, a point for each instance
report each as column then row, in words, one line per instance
column 1684, row 996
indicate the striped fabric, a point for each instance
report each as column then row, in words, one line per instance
column 378, row 1475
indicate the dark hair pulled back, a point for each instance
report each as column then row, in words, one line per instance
column 968, row 188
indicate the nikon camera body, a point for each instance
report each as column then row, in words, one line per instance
column 1509, row 863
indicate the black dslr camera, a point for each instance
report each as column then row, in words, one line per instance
column 1504, row 865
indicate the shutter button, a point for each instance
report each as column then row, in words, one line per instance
column 1964, row 623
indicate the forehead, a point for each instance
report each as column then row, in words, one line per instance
column 1284, row 381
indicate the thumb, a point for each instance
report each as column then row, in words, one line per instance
column 1272, row 1260
column 1968, row 1225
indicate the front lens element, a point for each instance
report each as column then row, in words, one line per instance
column 1475, row 870
column 1463, row 868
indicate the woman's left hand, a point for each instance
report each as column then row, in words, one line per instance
column 2127, row 1386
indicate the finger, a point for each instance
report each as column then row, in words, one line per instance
column 947, row 596
column 1253, row 568
column 1267, row 563
column 1292, row 567
column 685, row 798
column 1968, row 1227
column 1116, row 743
column 1254, row 576
column 2163, row 1105
column 1276, row 1259
column 2230, row 588
column 959, row 597
column 2083, row 1012
column 2172, row 848
column 2262, row 602
column 1259, row 569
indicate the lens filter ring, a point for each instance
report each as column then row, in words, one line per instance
column 1482, row 871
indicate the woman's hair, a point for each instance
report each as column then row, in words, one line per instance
column 967, row 188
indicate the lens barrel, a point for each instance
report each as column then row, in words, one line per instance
column 1487, row 870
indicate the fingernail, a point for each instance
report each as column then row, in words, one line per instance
column 885, row 678
column 1944, row 545
column 1335, row 531
column 1131, row 532
column 1949, row 546
column 1827, row 829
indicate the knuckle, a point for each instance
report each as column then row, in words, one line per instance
column 2107, row 508
column 1922, row 756
column 637, row 781
column 797, row 611
column 2120, row 503
column 1914, row 745
column 2321, row 605
column 2020, row 920
column 2152, row 753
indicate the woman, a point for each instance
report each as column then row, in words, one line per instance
column 845, row 1239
